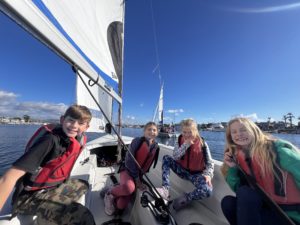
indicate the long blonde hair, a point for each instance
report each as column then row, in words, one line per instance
column 193, row 126
column 260, row 149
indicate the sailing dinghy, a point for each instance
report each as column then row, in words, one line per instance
column 88, row 34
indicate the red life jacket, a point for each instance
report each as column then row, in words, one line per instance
column 193, row 159
column 145, row 157
column 58, row 169
column 285, row 194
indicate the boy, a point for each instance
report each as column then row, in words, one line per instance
column 43, row 188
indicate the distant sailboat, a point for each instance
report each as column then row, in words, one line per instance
column 164, row 131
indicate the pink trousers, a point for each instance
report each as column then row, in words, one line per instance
column 124, row 190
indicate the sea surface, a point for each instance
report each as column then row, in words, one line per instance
column 13, row 139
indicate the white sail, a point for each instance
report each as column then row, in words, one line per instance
column 88, row 35
column 80, row 31
column 83, row 97
column 161, row 106
column 158, row 112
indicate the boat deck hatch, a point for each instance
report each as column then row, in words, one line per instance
column 107, row 155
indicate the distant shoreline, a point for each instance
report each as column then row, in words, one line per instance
column 30, row 123
column 279, row 131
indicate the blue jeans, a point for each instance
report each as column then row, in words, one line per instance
column 247, row 208
column 202, row 189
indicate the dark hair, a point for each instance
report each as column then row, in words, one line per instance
column 79, row 112
column 149, row 124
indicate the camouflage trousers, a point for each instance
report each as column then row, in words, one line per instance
column 58, row 205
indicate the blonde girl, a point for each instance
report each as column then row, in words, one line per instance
column 191, row 161
column 273, row 163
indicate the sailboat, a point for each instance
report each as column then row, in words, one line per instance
column 89, row 36
column 164, row 131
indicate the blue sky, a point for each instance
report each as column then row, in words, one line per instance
column 217, row 60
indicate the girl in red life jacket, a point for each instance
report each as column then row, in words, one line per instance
column 145, row 151
column 191, row 161
column 274, row 166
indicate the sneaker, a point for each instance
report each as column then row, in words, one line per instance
column 180, row 202
column 105, row 190
column 109, row 206
column 164, row 193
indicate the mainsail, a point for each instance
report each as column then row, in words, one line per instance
column 161, row 107
column 88, row 34
column 83, row 97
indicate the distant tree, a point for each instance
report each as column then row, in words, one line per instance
column 269, row 123
column 202, row 126
column 290, row 117
column 298, row 121
column 284, row 118
column 26, row 118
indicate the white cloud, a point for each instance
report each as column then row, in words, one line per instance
column 268, row 9
column 176, row 111
column 7, row 98
column 130, row 117
column 252, row 116
column 9, row 106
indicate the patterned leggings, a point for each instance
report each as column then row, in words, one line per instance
column 202, row 189
column 57, row 206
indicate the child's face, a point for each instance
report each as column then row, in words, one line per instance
column 73, row 127
column 151, row 132
column 187, row 133
column 240, row 135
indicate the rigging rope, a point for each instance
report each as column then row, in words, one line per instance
column 155, row 45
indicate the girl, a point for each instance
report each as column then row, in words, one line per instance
column 273, row 163
column 145, row 151
column 191, row 161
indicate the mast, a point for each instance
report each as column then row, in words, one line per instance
column 120, row 92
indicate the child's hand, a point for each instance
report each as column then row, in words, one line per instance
column 208, row 180
column 228, row 160
column 189, row 140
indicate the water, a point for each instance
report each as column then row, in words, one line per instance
column 14, row 138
